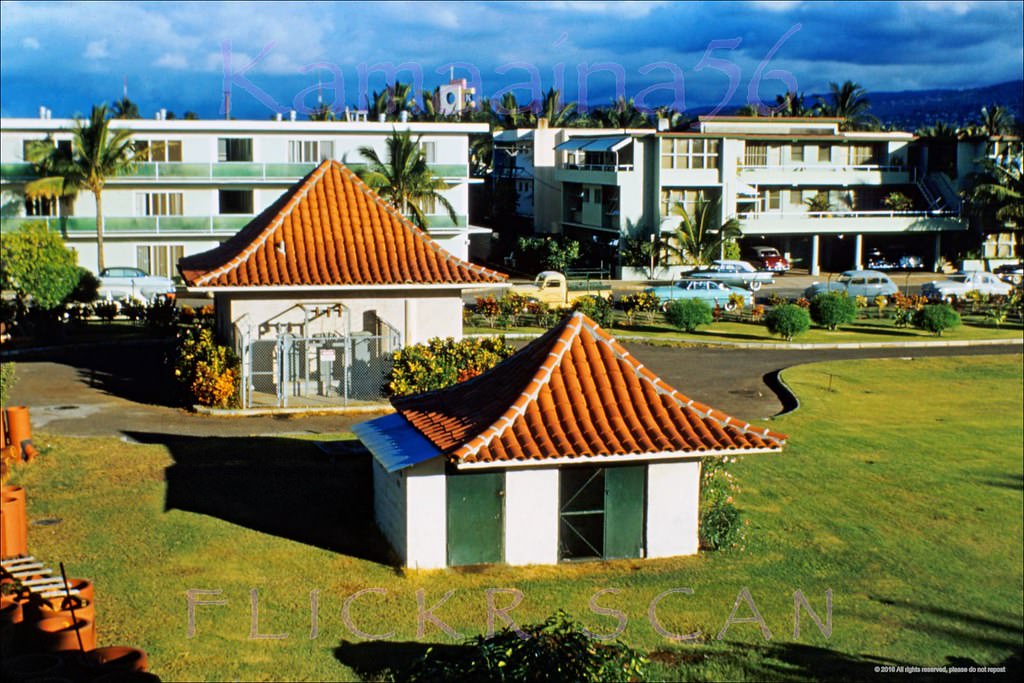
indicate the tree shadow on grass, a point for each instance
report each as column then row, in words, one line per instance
column 389, row 660
column 286, row 487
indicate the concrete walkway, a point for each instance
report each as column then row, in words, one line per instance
column 109, row 392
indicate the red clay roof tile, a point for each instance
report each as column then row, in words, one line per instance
column 330, row 229
column 574, row 392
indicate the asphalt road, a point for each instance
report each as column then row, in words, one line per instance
column 113, row 391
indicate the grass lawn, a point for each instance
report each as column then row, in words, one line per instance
column 900, row 491
column 862, row 331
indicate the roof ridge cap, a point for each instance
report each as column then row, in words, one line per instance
column 419, row 232
column 570, row 333
column 272, row 226
column 662, row 387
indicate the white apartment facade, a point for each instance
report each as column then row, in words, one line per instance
column 201, row 181
column 612, row 184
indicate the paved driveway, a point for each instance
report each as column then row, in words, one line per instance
column 105, row 392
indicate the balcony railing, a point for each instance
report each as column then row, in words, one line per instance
column 836, row 168
column 134, row 225
column 596, row 167
column 223, row 170
column 883, row 213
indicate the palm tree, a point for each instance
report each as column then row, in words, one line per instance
column 749, row 110
column 557, row 114
column 404, row 179
column 97, row 154
column 697, row 240
column 850, row 103
column 996, row 195
column 511, row 112
column 124, row 108
column 622, row 114
column 322, row 112
column 396, row 98
column 676, row 120
column 996, row 120
column 791, row 104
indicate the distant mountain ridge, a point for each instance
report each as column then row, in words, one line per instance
column 910, row 110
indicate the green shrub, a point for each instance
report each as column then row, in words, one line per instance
column 721, row 527
column 688, row 314
column 597, row 308
column 832, row 309
column 8, row 378
column 106, row 310
column 86, row 289
column 35, row 262
column 441, row 363
column 936, row 318
column 208, row 372
column 788, row 320
column 162, row 314
column 557, row 650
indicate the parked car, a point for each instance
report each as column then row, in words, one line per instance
column 766, row 258
column 133, row 284
column 1010, row 272
column 893, row 259
column 738, row 273
column 869, row 283
column 715, row 293
column 957, row 286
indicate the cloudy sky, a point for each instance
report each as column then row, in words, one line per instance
column 183, row 56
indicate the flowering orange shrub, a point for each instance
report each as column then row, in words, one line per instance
column 208, row 371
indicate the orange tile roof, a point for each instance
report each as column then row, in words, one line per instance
column 328, row 229
column 573, row 393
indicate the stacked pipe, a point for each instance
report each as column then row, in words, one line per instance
column 18, row 435
column 48, row 628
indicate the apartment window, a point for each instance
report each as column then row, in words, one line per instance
column 428, row 205
column 863, row 155
column 235, row 201
column 310, row 151
column 429, row 151
column 672, row 196
column 772, row 200
column 41, row 206
column 824, row 153
column 159, row 259
column 234, row 149
column 756, row 154
column 158, row 150
column 796, row 197
column 159, row 204
column 689, row 153
column 63, row 146
column 796, row 154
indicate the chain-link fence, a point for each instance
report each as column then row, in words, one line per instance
column 321, row 370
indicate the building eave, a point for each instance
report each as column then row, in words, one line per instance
column 668, row 456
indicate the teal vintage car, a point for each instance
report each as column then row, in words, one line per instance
column 714, row 293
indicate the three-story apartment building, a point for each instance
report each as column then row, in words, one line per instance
column 801, row 184
column 199, row 182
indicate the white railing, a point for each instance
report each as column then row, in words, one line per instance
column 883, row 213
column 596, row 167
column 836, row 168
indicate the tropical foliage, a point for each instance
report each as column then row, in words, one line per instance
column 440, row 363
column 403, row 178
column 35, row 263
column 207, row 371
column 701, row 235
column 97, row 154
column 850, row 103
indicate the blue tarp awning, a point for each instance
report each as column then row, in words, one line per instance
column 609, row 143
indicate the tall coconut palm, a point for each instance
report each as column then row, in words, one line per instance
column 701, row 235
column 395, row 98
column 996, row 120
column 849, row 102
column 322, row 112
column 97, row 154
column 622, row 114
column 791, row 104
column 404, row 179
column 124, row 108
column 558, row 115
column 998, row 192
column 511, row 114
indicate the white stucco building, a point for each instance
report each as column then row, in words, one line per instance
column 201, row 181
column 569, row 450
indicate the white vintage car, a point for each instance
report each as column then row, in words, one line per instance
column 133, row 284
column 957, row 286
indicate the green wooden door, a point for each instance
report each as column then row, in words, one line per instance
column 475, row 518
column 624, row 506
